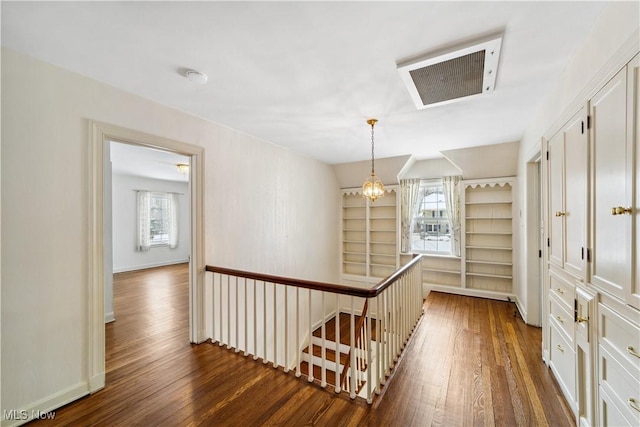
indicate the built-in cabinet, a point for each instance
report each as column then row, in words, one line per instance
column 369, row 235
column 592, row 327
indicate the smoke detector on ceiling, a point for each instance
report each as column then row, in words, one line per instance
column 196, row 77
column 455, row 74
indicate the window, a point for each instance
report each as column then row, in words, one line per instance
column 430, row 226
column 157, row 220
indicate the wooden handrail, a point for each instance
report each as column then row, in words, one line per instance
column 320, row 286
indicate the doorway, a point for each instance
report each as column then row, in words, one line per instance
column 533, row 249
column 100, row 240
column 146, row 198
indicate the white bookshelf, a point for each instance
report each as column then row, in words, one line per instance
column 369, row 235
column 487, row 236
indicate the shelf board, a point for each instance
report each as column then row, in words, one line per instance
column 353, row 241
column 497, row 233
column 489, row 217
column 489, row 262
column 383, row 231
column 383, row 243
column 393, row 266
column 495, row 276
column 353, row 253
column 496, row 248
column 384, row 217
column 354, row 229
column 506, row 202
column 385, row 255
column 439, row 270
column 356, row 218
column 353, row 262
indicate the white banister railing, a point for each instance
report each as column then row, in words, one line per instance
column 274, row 319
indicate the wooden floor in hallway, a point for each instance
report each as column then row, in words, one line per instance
column 470, row 361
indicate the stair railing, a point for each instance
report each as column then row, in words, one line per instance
column 273, row 318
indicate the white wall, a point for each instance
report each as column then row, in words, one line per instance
column 593, row 60
column 260, row 215
column 125, row 256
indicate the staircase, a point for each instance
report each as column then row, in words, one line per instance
column 336, row 356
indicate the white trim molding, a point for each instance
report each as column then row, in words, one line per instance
column 99, row 135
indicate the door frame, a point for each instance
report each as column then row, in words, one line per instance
column 101, row 134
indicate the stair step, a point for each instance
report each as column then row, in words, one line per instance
column 317, row 375
column 330, row 355
column 345, row 331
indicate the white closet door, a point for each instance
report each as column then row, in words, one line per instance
column 633, row 129
column 575, row 195
column 556, row 200
column 611, row 266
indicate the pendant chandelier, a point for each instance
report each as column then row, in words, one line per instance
column 372, row 188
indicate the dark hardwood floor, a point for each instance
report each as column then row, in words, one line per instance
column 469, row 362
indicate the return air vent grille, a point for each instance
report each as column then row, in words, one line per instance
column 453, row 76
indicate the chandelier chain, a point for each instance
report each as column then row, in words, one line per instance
column 372, row 156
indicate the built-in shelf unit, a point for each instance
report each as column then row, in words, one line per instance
column 488, row 235
column 369, row 235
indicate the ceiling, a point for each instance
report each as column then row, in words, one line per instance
column 307, row 75
column 147, row 162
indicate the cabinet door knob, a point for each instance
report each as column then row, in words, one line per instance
column 560, row 291
column 634, row 404
column 582, row 319
column 632, row 352
column 559, row 319
column 559, row 347
column 621, row 210
column 560, row 213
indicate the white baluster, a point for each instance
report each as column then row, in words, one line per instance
column 246, row 313
column 286, row 329
column 323, row 352
column 237, row 325
column 310, row 335
column 338, row 358
column 297, row 349
column 275, row 328
column 255, row 320
column 369, row 361
column 221, row 341
column 264, row 323
column 379, row 334
column 352, row 351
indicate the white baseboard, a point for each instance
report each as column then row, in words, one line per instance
column 109, row 317
column 523, row 312
column 472, row 292
column 150, row 265
column 46, row 407
column 97, row 382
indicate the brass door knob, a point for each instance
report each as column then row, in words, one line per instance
column 560, row 213
column 621, row 210
column 582, row 319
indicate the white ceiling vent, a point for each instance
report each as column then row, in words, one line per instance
column 453, row 74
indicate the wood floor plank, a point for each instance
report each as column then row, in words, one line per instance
column 469, row 362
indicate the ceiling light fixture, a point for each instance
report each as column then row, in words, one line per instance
column 183, row 168
column 196, row 77
column 372, row 188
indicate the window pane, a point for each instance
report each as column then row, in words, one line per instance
column 430, row 226
column 159, row 219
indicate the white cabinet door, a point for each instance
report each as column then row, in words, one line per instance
column 575, row 195
column 568, row 161
column 633, row 129
column 556, row 200
column 611, row 266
